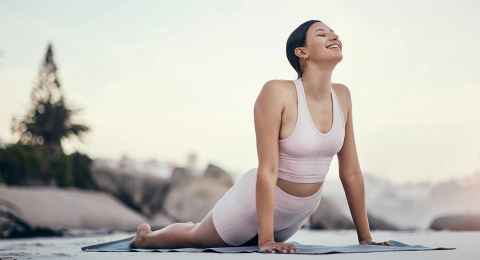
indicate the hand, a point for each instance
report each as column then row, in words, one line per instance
column 371, row 242
column 273, row 247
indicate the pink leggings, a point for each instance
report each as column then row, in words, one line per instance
column 234, row 214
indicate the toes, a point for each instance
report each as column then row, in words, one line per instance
column 141, row 235
column 143, row 228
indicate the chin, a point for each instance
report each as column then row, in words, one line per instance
column 340, row 58
column 333, row 58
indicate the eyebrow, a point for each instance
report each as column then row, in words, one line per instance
column 321, row 29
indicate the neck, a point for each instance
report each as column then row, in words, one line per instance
column 317, row 83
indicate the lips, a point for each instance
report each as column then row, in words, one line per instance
column 334, row 46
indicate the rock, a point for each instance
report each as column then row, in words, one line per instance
column 329, row 216
column 464, row 222
column 193, row 200
column 142, row 193
column 377, row 223
column 180, row 176
column 189, row 196
column 218, row 174
column 160, row 220
column 12, row 226
column 54, row 208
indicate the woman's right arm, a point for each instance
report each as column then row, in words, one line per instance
column 267, row 116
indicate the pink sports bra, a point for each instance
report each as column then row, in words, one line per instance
column 306, row 154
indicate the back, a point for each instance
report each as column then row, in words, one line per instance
column 267, row 117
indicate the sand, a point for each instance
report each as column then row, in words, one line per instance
column 467, row 244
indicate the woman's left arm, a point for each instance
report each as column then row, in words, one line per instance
column 352, row 178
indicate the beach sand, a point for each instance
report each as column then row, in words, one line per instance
column 467, row 244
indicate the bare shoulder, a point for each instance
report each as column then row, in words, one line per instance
column 344, row 97
column 343, row 92
column 341, row 89
column 276, row 89
column 279, row 86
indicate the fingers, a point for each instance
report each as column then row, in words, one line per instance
column 384, row 243
column 284, row 250
column 288, row 248
column 280, row 248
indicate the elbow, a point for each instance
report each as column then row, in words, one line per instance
column 266, row 175
column 351, row 176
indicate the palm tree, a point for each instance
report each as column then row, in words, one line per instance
column 50, row 120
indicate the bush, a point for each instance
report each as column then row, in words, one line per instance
column 22, row 164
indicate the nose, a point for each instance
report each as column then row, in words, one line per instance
column 334, row 36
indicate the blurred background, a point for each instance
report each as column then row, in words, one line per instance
column 143, row 111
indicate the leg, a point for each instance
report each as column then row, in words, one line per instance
column 175, row 235
column 204, row 234
column 179, row 235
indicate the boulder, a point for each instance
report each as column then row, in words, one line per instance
column 458, row 222
column 160, row 220
column 217, row 173
column 142, row 193
column 192, row 201
column 329, row 216
column 377, row 223
column 13, row 226
column 181, row 176
column 54, row 208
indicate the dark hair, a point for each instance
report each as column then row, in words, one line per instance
column 297, row 39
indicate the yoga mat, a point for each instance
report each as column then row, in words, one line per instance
column 122, row 246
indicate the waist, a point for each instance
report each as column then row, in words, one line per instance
column 299, row 189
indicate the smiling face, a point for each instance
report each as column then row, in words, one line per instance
column 322, row 46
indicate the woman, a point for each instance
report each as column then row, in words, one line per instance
column 300, row 125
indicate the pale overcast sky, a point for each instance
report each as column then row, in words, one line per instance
column 158, row 79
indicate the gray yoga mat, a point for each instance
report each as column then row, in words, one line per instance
column 122, row 246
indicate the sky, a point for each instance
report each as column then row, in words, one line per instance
column 161, row 79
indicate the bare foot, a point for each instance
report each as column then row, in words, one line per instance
column 140, row 238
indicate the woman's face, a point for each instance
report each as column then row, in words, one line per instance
column 322, row 44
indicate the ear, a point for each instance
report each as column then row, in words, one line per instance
column 301, row 52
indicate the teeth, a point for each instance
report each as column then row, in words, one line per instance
column 333, row 46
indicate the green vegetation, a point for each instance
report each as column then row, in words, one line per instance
column 37, row 158
column 22, row 164
column 49, row 120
